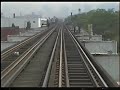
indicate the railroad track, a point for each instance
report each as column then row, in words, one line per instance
column 6, row 53
column 54, row 74
column 73, row 67
column 99, row 76
column 81, row 72
column 77, row 73
column 65, row 64
column 13, row 70
column 9, row 56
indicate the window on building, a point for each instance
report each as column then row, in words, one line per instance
column 33, row 21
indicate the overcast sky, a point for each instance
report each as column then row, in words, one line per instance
column 50, row 9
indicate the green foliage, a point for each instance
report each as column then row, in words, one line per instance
column 105, row 22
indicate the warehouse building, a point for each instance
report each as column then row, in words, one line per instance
column 21, row 21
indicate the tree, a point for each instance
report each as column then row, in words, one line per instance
column 105, row 22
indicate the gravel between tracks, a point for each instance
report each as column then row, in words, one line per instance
column 51, row 82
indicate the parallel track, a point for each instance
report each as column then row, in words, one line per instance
column 9, row 57
column 49, row 68
column 13, row 70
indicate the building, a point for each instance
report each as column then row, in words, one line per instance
column 5, row 31
column 21, row 21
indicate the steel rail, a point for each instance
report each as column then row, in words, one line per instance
column 60, row 65
column 10, row 73
column 104, row 83
column 47, row 75
column 66, row 68
column 9, row 51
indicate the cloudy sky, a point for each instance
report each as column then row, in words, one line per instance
column 50, row 9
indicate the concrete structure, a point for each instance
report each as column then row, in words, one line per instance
column 111, row 64
column 22, row 36
column 89, row 38
column 101, row 47
column 90, row 29
column 6, row 44
column 82, row 31
column 15, row 38
column 94, row 43
column 96, row 38
column 85, row 36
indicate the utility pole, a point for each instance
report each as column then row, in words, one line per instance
column 79, row 27
column 79, row 10
column 72, row 23
column 71, row 18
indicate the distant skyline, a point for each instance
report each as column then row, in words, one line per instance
column 50, row 9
